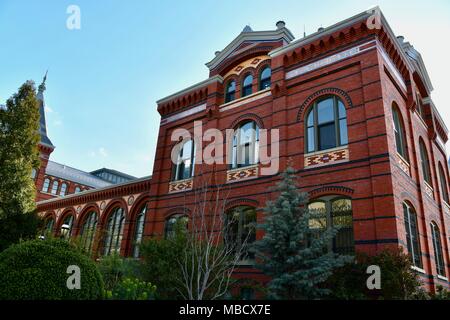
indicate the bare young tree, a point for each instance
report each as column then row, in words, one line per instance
column 212, row 251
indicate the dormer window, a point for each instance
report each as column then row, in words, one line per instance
column 264, row 78
column 247, row 85
column 230, row 94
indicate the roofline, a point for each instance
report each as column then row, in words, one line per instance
column 191, row 88
column 83, row 193
column 122, row 174
column 267, row 35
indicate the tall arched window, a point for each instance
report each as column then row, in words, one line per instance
column 334, row 212
column 247, row 85
column 230, row 93
column 49, row 223
column 88, row 229
column 240, row 230
column 399, row 132
column 412, row 234
column 68, row 221
column 63, row 190
column 444, row 185
column 245, row 150
column 264, row 78
column 171, row 223
column 326, row 125
column 139, row 230
column 425, row 162
column 55, row 186
column 46, row 185
column 438, row 256
column 184, row 168
column 114, row 232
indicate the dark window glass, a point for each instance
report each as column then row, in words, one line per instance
column 247, row 85
column 88, row 231
column 326, row 125
column 230, row 91
column 444, row 185
column 425, row 163
column 184, row 168
column 264, row 81
column 412, row 235
column 399, row 132
column 68, row 221
column 139, row 231
column 114, row 232
column 245, row 145
column 240, row 230
column 439, row 258
column 49, row 226
column 171, row 223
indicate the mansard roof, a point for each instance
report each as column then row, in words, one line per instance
column 249, row 37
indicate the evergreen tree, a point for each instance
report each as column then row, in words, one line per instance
column 19, row 138
column 295, row 256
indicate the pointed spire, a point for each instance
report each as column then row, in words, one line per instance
column 247, row 28
column 41, row 88
column 43, row 126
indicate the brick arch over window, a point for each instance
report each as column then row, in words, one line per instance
column 64, row 215
column 324, row 92
column 331, row 190
column 241, row 202
column 110, row 207
column 177, row 210
column 137, row 206
column 248, row 116
column 82, row 215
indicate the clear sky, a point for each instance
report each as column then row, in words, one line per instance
column 104, row 79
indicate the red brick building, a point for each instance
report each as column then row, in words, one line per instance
column 355, row 118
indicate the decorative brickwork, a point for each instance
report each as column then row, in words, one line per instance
column 326, row 158
column 428, row 190
column 180, row 186
column 242, row 174
column 403, row 165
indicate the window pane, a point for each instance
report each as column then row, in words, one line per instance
column 325, row 111
column 343, row 131
column 327, row 136
column 342, row 112
column 248, row 80
column 310, row 120
column 311, row 140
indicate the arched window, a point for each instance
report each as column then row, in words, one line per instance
column 33, row 174
column 334, row 212
column 77, row 189
column 444, row 185
column 184, row 168
column 437, row 245
column 114, row 232
column 55, row 186
column 399, row 132
column 245, row 150
column 326, row 125
column 264, row 78
column 412, row 235
column 46, row 185
column 49, row 223
column 240, row 230
column 171, row 223
column 247, row 85
column 63, row 190
column 68, row 221
column 425, row 162
column 139, row 230
column 88, row 229
column 230, row 93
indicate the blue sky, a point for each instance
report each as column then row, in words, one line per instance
column 104, row 79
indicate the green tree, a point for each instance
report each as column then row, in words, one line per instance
column 19, row 138
column 294, row 255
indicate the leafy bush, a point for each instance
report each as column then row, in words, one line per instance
column 398, row 280
column 132, row 289
column 115, row 268
column 37, row 270
column 17, row 227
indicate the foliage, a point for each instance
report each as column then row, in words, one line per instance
column 398, row 279
column 114, row 269
column 132, row 289
column 160, row 264
column 441, row 294
column 37, row 270
column 295, row 256
column 17, row 227
column 19, row 138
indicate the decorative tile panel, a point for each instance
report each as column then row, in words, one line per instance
column 326, row 158
column 428, row 190
column 180, row 186
column 242, row 174
column 403, row 165
column 446, row 208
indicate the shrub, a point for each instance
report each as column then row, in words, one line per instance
column 37, row 270
column 17, row 227
column 115, row 268
column 132, row 289
column 398, row 280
